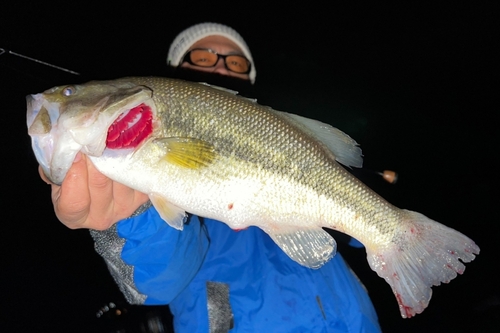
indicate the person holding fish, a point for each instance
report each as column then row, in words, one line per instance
column 213, row 278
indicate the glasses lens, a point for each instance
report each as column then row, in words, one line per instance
column 203, row 58
column 237, row 63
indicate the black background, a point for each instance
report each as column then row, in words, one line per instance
column 415, row 85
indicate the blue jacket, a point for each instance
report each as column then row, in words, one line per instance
column 218, row 280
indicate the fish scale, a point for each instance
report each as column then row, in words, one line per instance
column 218, row 155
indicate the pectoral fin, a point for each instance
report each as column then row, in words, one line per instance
column 173, row 215
column 187, row 152
column 309, row 247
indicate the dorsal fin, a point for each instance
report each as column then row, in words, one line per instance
column 344, row 148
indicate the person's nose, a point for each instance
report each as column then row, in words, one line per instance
column 220, row 68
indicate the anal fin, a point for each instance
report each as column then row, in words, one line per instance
column 309, row 247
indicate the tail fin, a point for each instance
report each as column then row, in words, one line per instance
column 424, row 253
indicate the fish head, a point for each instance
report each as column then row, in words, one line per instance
column 65, row 120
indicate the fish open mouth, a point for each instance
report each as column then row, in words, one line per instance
column 130, row 128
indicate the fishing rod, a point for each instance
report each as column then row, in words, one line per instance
column 2, row 51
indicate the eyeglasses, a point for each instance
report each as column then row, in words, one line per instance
column 209, row 58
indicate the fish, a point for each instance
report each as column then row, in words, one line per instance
column 204, row 150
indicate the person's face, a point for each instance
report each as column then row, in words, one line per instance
column 220, row 45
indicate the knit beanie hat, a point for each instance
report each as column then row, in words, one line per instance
column 191, row 35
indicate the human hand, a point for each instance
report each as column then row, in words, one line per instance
column 88, row 199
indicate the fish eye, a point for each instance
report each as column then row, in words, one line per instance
column 68, row 91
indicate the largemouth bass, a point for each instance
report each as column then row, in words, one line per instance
column 204, row 150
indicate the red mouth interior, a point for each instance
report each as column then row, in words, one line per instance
column 130, row 128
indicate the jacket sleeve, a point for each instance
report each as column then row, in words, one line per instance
column 150, row 261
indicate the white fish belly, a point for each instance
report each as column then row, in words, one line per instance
column 236, row 195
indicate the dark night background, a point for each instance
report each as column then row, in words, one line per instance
column 413, row 84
